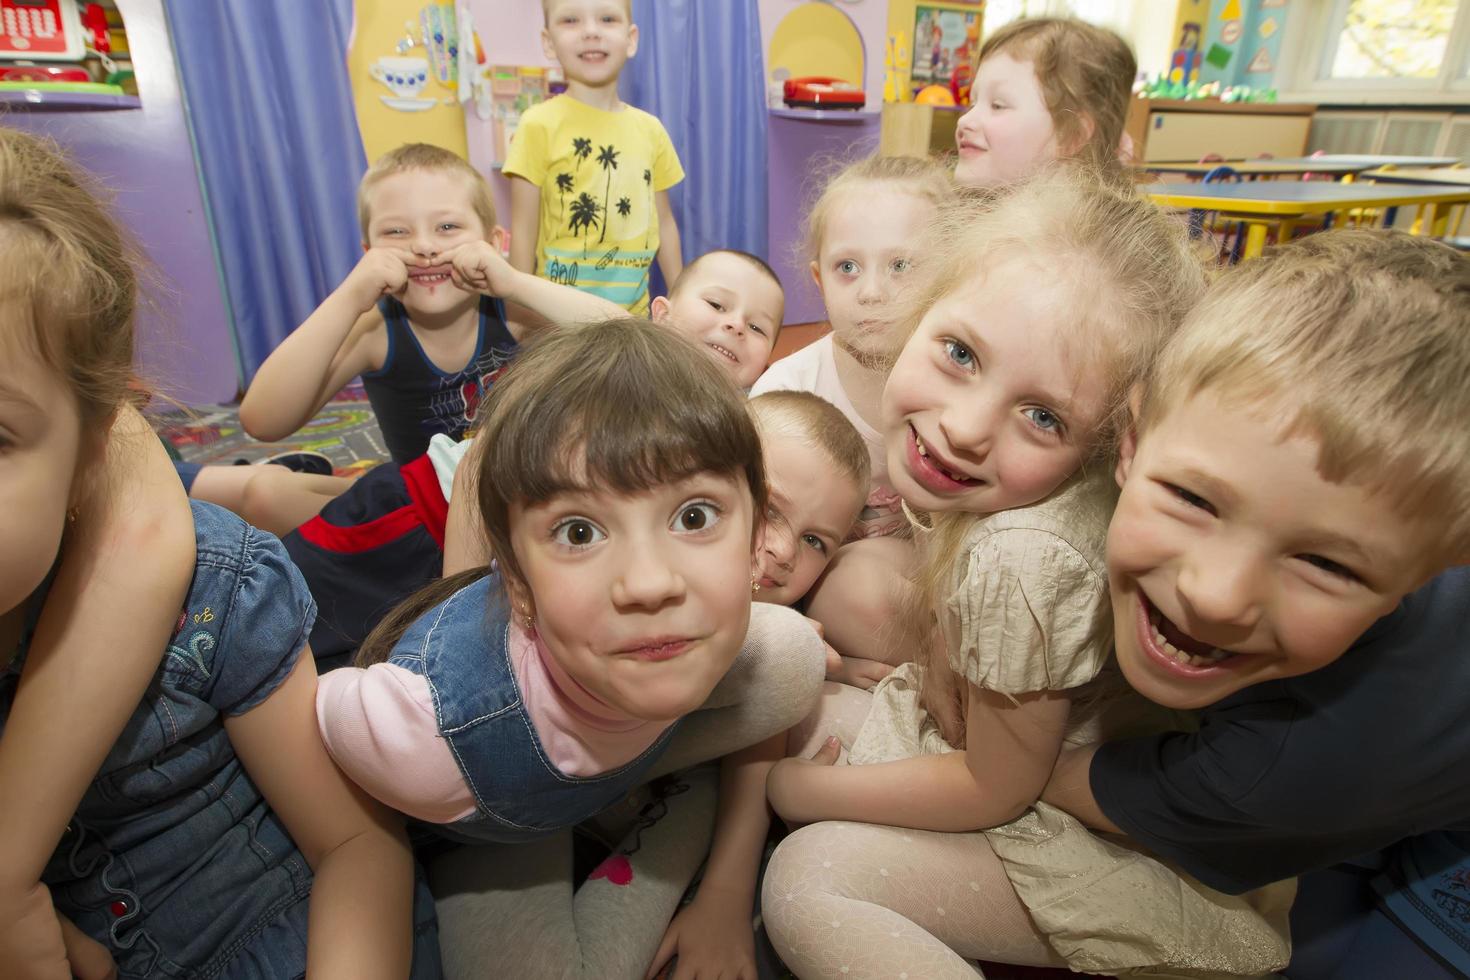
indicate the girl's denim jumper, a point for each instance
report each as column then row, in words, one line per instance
column 174, row 861
column 461, row 647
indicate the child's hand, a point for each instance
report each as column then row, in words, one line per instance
column 855, row 671
column 789, row 786
column 479, row 267
column 380, row 272
column 31, row 944
column 712, row 936
column 87, row 958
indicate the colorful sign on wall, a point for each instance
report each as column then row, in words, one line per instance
column 1243, row 42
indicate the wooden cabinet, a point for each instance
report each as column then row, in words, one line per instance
column 1171, row 130
column 913, row 130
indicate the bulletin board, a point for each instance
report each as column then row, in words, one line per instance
column 911, row 44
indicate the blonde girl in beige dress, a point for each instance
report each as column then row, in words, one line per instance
column 1040, row 310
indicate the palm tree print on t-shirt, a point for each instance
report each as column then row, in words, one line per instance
column 585, row 210
column 563, row 184
column 607, row 159
column 582, row 149
column 648, row 185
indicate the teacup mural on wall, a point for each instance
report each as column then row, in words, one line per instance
column 405, row 78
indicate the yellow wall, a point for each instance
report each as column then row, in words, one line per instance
column 817, row 39
column 380, row 26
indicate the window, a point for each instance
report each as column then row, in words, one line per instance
column 1393, row 38
column 1389, row 46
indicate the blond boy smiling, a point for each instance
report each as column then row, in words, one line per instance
column 1286, row 556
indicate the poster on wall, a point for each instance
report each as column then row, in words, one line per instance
column 944, row 39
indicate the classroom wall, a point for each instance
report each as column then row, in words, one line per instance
column 1244, row 37
column 869, row 17
column 185, row 341
column 378, row 26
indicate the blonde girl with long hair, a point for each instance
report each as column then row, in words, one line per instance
column 1036, row 313
column 1048, row 89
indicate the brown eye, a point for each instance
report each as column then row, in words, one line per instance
column 577, row 533
column 697, row 517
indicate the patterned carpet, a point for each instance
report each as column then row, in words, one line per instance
column 345, row 430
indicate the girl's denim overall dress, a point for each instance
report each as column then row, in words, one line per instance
column 174, row 861
column 461, row 647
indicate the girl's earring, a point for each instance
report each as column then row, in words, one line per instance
column 755, row 585
column 71, row 514
column 527, row 620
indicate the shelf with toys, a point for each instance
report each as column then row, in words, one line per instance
column 74, row 97
column 65, row 56
column 926, row 81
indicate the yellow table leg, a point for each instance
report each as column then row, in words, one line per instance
column 1255, row 240
column 1284, row 231
column 1439, row 222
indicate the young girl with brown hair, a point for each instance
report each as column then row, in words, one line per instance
column 1048, row 88
column 621, row 487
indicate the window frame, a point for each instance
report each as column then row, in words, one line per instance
column 1311, row 43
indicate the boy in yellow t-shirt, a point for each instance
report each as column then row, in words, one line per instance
column 590, row 205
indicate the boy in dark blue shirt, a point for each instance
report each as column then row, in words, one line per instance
column 1295, row 494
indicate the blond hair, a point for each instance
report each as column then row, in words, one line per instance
column 547, row 6
column 1360, row 340
column 624, row 405
column 923, row 178
column 432, row 159
column 67, row 272
column 819, row 424
column 1124, row 273
column 1086, row 76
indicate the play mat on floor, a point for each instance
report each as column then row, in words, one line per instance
column 345, row 430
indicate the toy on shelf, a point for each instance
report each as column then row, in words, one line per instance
column 822, row 93
column 1167, row 87
column 61, row 43
column 934, row 95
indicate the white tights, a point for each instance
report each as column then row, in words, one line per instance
column 851, row 901
column 510, row 910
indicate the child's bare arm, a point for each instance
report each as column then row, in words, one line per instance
column 670, row 253
column 341, row 339
column 713, row 936
column 531, row 303
column 525, row 223
column 1070, row 788
column 111, row 609
column 1010, row 748
column 360, row 920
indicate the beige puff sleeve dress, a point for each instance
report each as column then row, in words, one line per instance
column 1029, row 611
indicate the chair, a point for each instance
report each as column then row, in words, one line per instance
column 1231, row 235
column 1313, row 176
